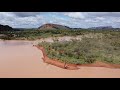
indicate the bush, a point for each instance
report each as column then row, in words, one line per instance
column 88, row 50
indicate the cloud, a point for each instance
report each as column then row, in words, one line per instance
column 75, row 15
column 71, row 19
column 7, row 18
column 100, row 18
column 28, row 21
column 103, row 14
column 26, row 14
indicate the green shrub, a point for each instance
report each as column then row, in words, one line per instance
column 88, row 50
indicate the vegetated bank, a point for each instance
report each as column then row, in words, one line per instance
column 36, row 34
column 94, row 47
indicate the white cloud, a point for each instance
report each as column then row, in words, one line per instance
column 9, row 18
column 75, row 15
column 100, row 18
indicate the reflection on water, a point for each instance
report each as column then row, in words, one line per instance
column 15, row 43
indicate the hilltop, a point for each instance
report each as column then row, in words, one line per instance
column 50, row 26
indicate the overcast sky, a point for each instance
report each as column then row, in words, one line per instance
column 71, row 19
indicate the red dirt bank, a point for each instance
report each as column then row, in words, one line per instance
column 57, row 62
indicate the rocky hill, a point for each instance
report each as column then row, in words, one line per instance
column 50, row 26
column 5, row 28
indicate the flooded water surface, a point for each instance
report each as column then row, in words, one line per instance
column 19, row 59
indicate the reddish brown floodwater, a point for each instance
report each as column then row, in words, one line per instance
column 19, row 59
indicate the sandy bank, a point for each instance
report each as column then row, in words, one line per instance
column 51, row 39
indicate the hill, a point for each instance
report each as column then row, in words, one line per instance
column 50, row 26
column 5, row 28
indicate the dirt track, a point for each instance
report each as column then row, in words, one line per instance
column 25, row 61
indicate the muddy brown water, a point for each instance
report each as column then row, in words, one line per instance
column 19, row 59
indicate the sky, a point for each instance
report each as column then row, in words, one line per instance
column 71, row 19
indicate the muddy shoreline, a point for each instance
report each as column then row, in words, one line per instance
column 67, row 66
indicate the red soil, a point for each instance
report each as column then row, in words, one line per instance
column 102, row 64
column 74, row 66
column 57, row 62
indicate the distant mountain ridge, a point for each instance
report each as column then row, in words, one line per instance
column 102, row 27
column 50, row 26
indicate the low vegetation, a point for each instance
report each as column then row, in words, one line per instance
column 36, row 34
column 94, row 46
column 33, row 34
